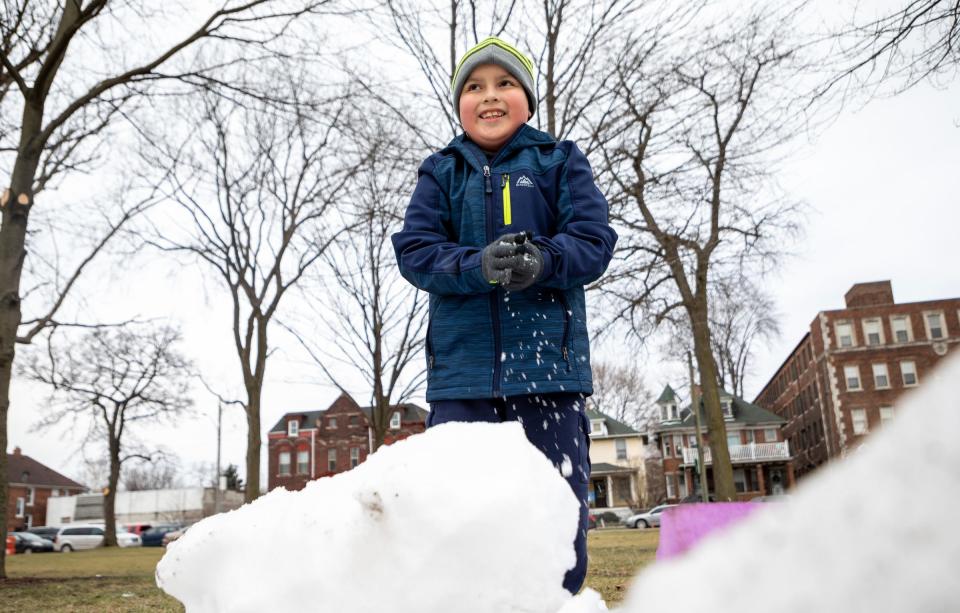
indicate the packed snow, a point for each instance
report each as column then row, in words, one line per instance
column 469, row 517
column 464, row 517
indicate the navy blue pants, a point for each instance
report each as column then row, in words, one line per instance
column 557, row 426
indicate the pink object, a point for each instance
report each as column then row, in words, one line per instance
column 682, row 526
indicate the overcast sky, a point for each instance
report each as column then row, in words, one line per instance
column 882, row 189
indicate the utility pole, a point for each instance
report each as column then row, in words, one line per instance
column 695, row 407
column 216, row 484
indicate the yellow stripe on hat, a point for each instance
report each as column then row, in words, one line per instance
column 493, row 40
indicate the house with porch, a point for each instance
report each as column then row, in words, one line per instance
column 760, row 454
column 617, row 476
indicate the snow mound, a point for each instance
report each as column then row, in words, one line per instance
column 874, row 532
column 464, row 517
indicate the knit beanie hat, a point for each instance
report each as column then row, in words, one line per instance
column 494, row 51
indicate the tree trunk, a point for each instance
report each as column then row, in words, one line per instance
column 716, row 427
column 252, row 488
column 16, row 202
column 110, row 499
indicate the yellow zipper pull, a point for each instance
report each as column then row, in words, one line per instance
column 507, row 213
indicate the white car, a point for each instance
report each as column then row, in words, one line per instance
column 89, row 536
column 648, row 519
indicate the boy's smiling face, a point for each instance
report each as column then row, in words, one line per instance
column 493, row 105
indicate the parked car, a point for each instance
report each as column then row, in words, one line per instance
column 170, row 537
column 771, row 498
column 647, row 520
column 89, row 536
column 697, row 499
column 137, row 529
column 154, row 536
column 47, row 532
column 28, row 542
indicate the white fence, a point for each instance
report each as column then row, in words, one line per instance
column 752, row 452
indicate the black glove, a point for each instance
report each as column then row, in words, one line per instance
column 497, row 258
column 526, row 266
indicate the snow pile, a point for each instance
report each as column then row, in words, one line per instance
column 876, row 532
column 465, row 518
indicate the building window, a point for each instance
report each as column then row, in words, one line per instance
column 851, row 373
column 354, row 420
column 682, row 478
column 900, row 324
column 739, row 480
column 935, row 329
column 844, row 331
column 395, row 420
column 20, row 504
column 293, row 427
column 598, row 427
column 886, row 414
column 726, row 406
column 859, row 417
column 908, row 371
column 873, row 331
column 332, row 460
column 881, row 379
column 751, row 436
column 733, row 438
column 31, row 495
column 621, row 449
column 284, row 462
column 671, row 487
column 303, row 462
column 666, row 446
column 770, row 435
column 668, row 412
column 332, row 423
column 354, row 456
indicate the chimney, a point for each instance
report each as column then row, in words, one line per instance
column 16, row 451
column 875, row 293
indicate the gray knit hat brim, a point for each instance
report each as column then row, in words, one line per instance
column 494, row 51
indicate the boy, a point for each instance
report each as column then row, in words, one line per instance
column 503, row 230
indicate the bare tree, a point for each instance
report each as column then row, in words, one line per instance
column 917, row 42
column 256, row 194
column 161, row 471
column 114, row 380
column 741, row 315
column 620, row 392
column 369, row 317
column 65, row 80
column 687, row 154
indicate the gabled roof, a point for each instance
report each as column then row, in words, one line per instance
column 614, row 427
column 744, row 413
column 24, row 469
column 411, row 413
column 667, row 395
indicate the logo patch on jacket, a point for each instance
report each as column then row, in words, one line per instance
column 524, row 181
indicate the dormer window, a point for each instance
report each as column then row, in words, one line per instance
column 727, row 405
column 668, row 412
column 293, row 427
column 598, row 427
column 395, row 421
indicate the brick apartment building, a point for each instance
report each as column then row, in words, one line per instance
column 843, row 378
column 761, row 458
column 31, row 484
column 309, row 445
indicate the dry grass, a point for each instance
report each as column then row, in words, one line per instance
column 114, row 580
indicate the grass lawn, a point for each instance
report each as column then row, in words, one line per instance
column 615, row 557
column 109, row 580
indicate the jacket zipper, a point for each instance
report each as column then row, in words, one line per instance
column 429, row 343
column 507, row 212
column 495, row 294
column 566, row 328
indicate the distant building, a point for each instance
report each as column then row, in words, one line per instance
column 843, row 378
column 617, row 477
column 182, row 505
column 309, row 445
column 761, row 459
column 31, row 485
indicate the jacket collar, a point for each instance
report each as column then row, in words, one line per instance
column 525, row 136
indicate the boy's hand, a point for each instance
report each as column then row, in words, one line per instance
column 525, row 267
column 497, row 258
